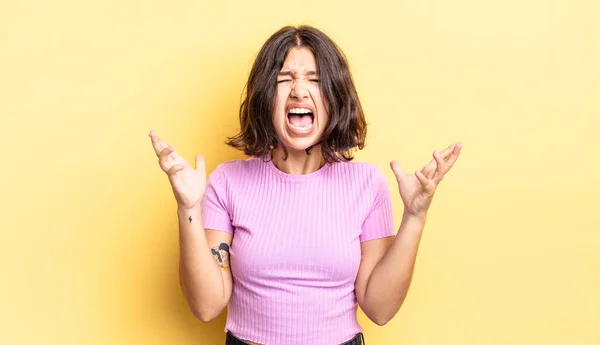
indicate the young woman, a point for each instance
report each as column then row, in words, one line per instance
column 295, row 237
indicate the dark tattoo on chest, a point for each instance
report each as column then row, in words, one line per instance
column 190, row 219
column 221, row 254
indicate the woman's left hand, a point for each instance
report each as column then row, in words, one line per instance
column 417, row 190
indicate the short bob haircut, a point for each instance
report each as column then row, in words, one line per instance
column 346, row 128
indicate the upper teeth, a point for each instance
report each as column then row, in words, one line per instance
column 300, row 111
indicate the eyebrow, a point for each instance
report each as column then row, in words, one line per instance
column 290, row 73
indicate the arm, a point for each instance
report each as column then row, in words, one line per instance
column 204, row 265
column 206, row 283
column 387, row 265
column 386, row 270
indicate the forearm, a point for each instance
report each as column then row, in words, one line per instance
column 200, row 275
column 389, row 282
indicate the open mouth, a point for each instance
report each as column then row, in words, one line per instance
column 300, row 119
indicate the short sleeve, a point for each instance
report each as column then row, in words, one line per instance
column 380, row 219
column 215, row 214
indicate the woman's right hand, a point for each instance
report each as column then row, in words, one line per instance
column 188, row 184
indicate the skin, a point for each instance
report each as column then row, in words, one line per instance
column 387, row 264
column 205, row 277
column 297, row 83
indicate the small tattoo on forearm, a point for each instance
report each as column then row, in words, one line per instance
column 190, row 219
column 221, row 254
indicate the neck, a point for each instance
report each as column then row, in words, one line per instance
column 298, row 162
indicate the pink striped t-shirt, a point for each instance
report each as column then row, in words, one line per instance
column 295, row 251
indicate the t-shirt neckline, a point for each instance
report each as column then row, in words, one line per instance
column 266, row 159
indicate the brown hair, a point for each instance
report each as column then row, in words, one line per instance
column 346, row 128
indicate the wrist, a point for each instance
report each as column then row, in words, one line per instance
column 187, row 215
column 419, row 218
column 183, row 209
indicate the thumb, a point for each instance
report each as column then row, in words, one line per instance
column 201, row 165
column 398, row 171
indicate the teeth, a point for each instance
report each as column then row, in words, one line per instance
column 300, row 111
column 305, row 127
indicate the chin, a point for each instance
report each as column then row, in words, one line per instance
column 299, row 144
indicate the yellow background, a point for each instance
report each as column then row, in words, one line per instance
column 510, row 253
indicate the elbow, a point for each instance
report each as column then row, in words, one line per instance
column 385, row 317
column 206, row 315
column 206, row 312
column 381, row 321
column 204, row 309
column 378, row 318
column 381, row 317
column 377, row 315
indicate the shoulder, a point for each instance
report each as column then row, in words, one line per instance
column 237, row 168
column 361, row 171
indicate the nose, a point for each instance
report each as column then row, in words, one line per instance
column 299, row 90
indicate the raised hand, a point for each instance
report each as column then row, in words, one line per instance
column 417, row 190
column 188, row 184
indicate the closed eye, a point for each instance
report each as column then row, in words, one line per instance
column 283, row 80
column 314, row 80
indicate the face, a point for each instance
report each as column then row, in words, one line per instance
column 299, row 117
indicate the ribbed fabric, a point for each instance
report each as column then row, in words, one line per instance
column 295, row 252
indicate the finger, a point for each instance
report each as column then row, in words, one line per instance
column 454, row 156
column 446, row 153
column 201, row 166
column 175, row 169
column 164, row 154
column 398, row 171
column 425, row 182
column 441, row 166
column 163, row 158
column 157, row 143
column 430, row 168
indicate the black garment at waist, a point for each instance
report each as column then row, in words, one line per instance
column 359, row 339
